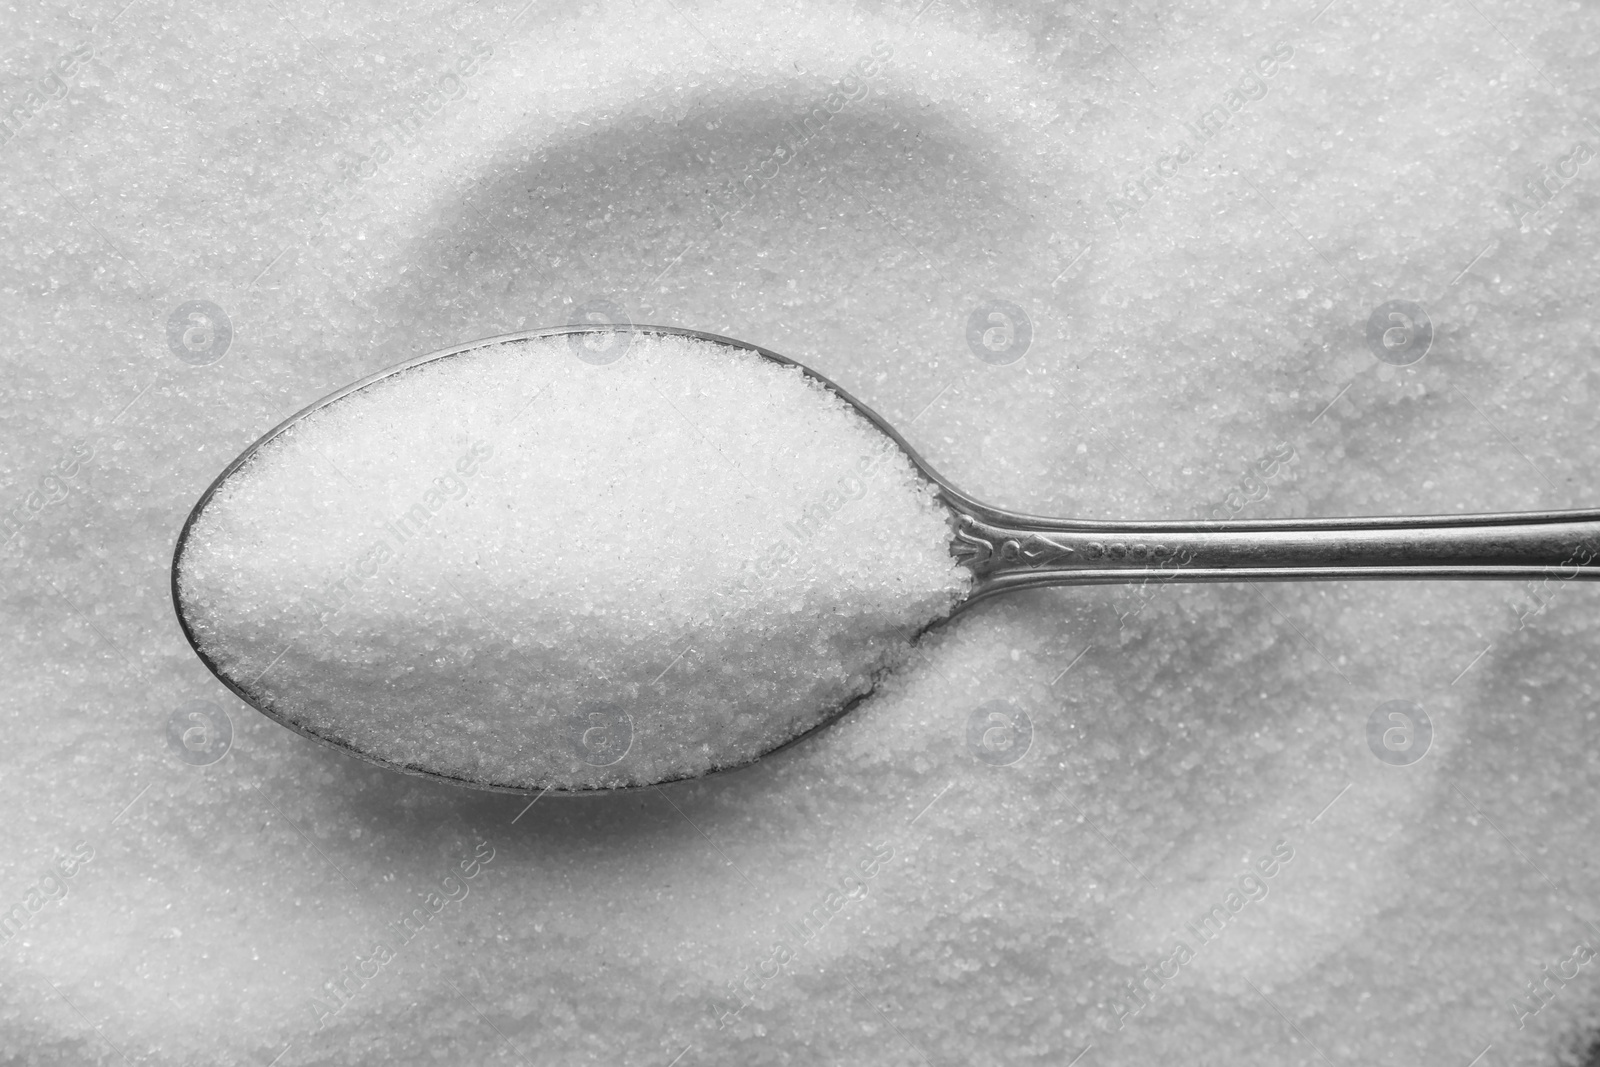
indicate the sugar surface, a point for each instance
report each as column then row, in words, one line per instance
column 541, row 564
column 599, row 145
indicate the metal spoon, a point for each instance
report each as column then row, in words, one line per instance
column 1006, row 550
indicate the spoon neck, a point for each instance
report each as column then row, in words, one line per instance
column 1007, row 551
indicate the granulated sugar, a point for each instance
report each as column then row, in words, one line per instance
column 570, row 562
column 1205, row 355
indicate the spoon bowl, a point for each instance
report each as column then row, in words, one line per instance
column 992, row 549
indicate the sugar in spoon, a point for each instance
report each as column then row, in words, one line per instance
column 469, row 660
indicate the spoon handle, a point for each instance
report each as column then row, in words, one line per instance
column 1009, row 551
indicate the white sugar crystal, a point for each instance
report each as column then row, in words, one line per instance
column 538, row 564
column 231, row 911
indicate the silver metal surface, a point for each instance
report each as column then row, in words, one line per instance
column 1006, row 551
